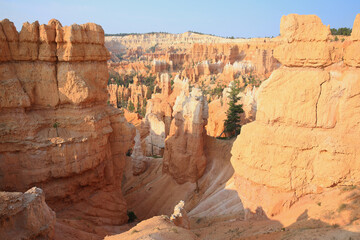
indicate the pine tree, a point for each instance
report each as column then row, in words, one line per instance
column 143, row 109
column 131, row 106
column 232, row 123
column 138, row 108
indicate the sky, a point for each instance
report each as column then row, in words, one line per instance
column 225, row 18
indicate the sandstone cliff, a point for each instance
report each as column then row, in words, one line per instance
column 306, row 134
column 56, row 131
column 163, row 40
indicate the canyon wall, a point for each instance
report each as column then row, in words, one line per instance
column 163, row 40
column 255, row 56
column 306, row 134
column 56, row 131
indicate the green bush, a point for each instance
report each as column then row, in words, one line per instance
column 128, row 153
column 132, row 217
column 341, row 31
column 131, row 106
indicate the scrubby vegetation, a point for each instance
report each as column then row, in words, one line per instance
column 341, row 31
column 132, row 217
column 121, row 80
column 153, row 48
column 127, row 79
column 217, row 91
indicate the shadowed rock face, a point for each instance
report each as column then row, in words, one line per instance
column 56, row 131
column 306, row 134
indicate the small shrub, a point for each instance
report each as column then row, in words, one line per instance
column 131, row 106
column 318, row 203
column 134, row 231
column 56, row 125
column 224, row 138
column 342, row 207
column 348, row 188
column 128, row 153
column 174, row 230
column 132, row 216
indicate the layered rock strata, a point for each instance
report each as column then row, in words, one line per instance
column 306, row 134
column 56, row 131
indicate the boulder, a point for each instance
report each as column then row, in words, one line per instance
column 26, row 215
column 179, row 216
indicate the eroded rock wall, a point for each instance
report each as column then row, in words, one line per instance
column 56, row 131
column 306, row 134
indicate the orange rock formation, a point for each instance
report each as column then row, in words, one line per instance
column 305, row 136
column 56, row 131
column 26, row 215
column 184, row 157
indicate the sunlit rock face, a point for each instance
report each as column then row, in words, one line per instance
column 306, row 134
column 184, row 157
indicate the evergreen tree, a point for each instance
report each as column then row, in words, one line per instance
column 131, row 106
column 138, row 108
column 124, row 103
column 143, row 109
column 232, row 123
column 341, row 31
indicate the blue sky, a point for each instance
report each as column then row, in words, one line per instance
column 225, row 18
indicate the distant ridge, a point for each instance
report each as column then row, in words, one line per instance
column 152, row 33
